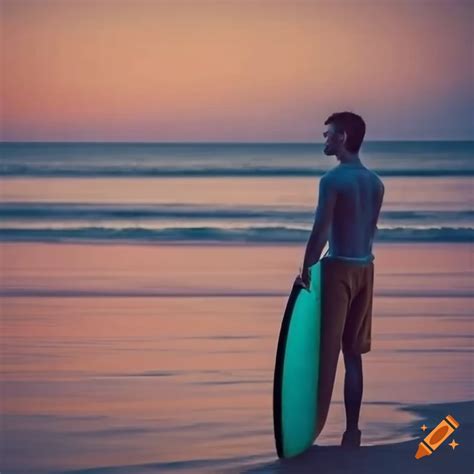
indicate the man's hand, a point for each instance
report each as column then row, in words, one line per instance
column 304, row 278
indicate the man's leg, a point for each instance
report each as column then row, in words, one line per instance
column 356, row 341
column 353, row 386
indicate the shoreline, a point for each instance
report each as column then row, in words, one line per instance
column 389, row 458
column 392, row 458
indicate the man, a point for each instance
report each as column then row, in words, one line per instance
column 349, row 203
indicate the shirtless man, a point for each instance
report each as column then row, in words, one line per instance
column 349, row 203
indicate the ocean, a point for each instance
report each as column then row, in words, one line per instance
column 222, row 192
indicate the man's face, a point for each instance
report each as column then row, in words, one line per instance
column 334, row 140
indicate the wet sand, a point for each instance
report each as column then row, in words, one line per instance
column 160, row 359
column 393, row 457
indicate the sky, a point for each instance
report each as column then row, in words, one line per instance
column 239, row 71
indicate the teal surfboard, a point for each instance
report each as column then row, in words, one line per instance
column 295, row 386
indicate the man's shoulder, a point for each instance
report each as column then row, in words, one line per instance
column 330, row 175
column 377, row 179
column 333, row 176
column 329, row 179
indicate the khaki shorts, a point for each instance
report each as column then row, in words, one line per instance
column 347, row 303
column 346, row 320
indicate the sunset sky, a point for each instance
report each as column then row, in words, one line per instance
column 113, row 70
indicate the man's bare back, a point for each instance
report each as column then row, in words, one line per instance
column 359, row 199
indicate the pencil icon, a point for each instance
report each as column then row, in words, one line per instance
column 436, row 437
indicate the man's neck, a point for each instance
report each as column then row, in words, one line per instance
column 349, row 158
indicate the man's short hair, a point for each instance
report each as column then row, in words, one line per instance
column 352, row 124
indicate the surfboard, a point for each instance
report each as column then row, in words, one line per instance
column 296, row 377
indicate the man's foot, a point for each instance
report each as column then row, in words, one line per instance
column 351, row 439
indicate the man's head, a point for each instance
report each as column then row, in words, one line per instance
column 345, row 131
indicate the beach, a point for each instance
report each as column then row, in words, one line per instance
column 160, row 358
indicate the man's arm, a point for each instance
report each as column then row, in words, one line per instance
column 322, row 222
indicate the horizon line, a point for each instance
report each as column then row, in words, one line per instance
column 170, row 142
